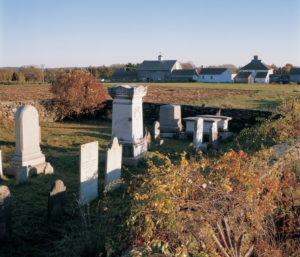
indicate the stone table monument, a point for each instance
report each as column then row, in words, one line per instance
column 28, row 136
column 127, row 120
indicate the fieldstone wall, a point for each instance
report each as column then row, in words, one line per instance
column 241, row 118
column 8, row 109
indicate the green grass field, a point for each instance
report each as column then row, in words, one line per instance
column 264, row 96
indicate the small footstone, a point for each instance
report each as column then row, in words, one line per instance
column 5, row 213
column 22, row 174
column 56, row 200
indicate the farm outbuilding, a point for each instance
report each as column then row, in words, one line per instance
column 185, row 75
column 295, row 75
column 216, row 75
column 244, row 77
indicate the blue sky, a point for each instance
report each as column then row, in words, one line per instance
column 61, row 33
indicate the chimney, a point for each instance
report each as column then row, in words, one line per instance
column 160, row 58
column 255, row 57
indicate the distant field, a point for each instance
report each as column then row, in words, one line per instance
column 254, row 96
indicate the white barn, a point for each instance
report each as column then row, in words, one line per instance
column 216, row 75
column 260, row 72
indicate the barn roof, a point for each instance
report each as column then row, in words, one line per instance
column 295, row 71
column 123, row 74
column 212, row 71
column 166, row 65
column 184, row 72
column 261, row 75
column 243, row 74
column 255, row 64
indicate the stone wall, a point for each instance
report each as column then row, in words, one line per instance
column 8, row 109
column 241, row 118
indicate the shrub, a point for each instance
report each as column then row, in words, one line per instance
column 77, row 93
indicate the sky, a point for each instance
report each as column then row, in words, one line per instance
column 68, row 33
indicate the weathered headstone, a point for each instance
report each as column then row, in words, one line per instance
column 127, row 120
column 170, row 120
column 22, row 174
column 28, row 152
column 56, row 200
column 156, row 130
column 1, row 169
column 5, row 213
column 198, row 133
column 113, row 165
column 88, row 189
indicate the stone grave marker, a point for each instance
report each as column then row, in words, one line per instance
column 113, row 165
column 56, row 200
column 88, row 189
column 213, row 135
column 1, row 169
column 5, row 213
column 198, row 133
column 127, row 120
column 170, row 120
column 222, row 124
column 28, row 152
column 156, row 130
column 22, row 175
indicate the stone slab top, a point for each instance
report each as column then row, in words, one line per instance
column 127, row 91
column 215, row 116
column 206, row 119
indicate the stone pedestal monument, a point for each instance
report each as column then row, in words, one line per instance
column 127, row 120
column 28, row 136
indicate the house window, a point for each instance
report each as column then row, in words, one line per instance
column 203, row 77
column 211, row 77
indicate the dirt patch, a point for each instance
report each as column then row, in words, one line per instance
column 154, row 94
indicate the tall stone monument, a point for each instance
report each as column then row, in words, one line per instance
column 113, row 165
column 28, row 152
column 170, row 120
column 127, row 120
column 89, row 159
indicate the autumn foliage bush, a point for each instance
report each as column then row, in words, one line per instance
column 77, row 93
column 234, row 205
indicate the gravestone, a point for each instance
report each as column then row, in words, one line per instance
column 56, row 200
column 88, row 189
column 113, row 165
column 22, row 174
column 5, row 213
column 198, row 133
column 222, row 124
column 156, row 130
column 1, row 169
column 28, row 152
column 170, row 120
column 213, row 135
column 127, row 120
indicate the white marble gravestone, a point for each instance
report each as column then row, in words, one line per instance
column 156, row 130
column 113, row 165
column 198, row 133
column 222, row 124
column 88, row 189
column 28, row 152
column 1, row 169
column 127, row 120
column 170, row 120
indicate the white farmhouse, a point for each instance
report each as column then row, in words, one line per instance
column 216, row 75
column 259, row 71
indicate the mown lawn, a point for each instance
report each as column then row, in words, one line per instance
column 98, row 227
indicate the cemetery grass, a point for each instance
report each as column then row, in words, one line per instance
column 86, row 231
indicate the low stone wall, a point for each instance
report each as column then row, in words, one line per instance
column 241, row 118
column 8, row 109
